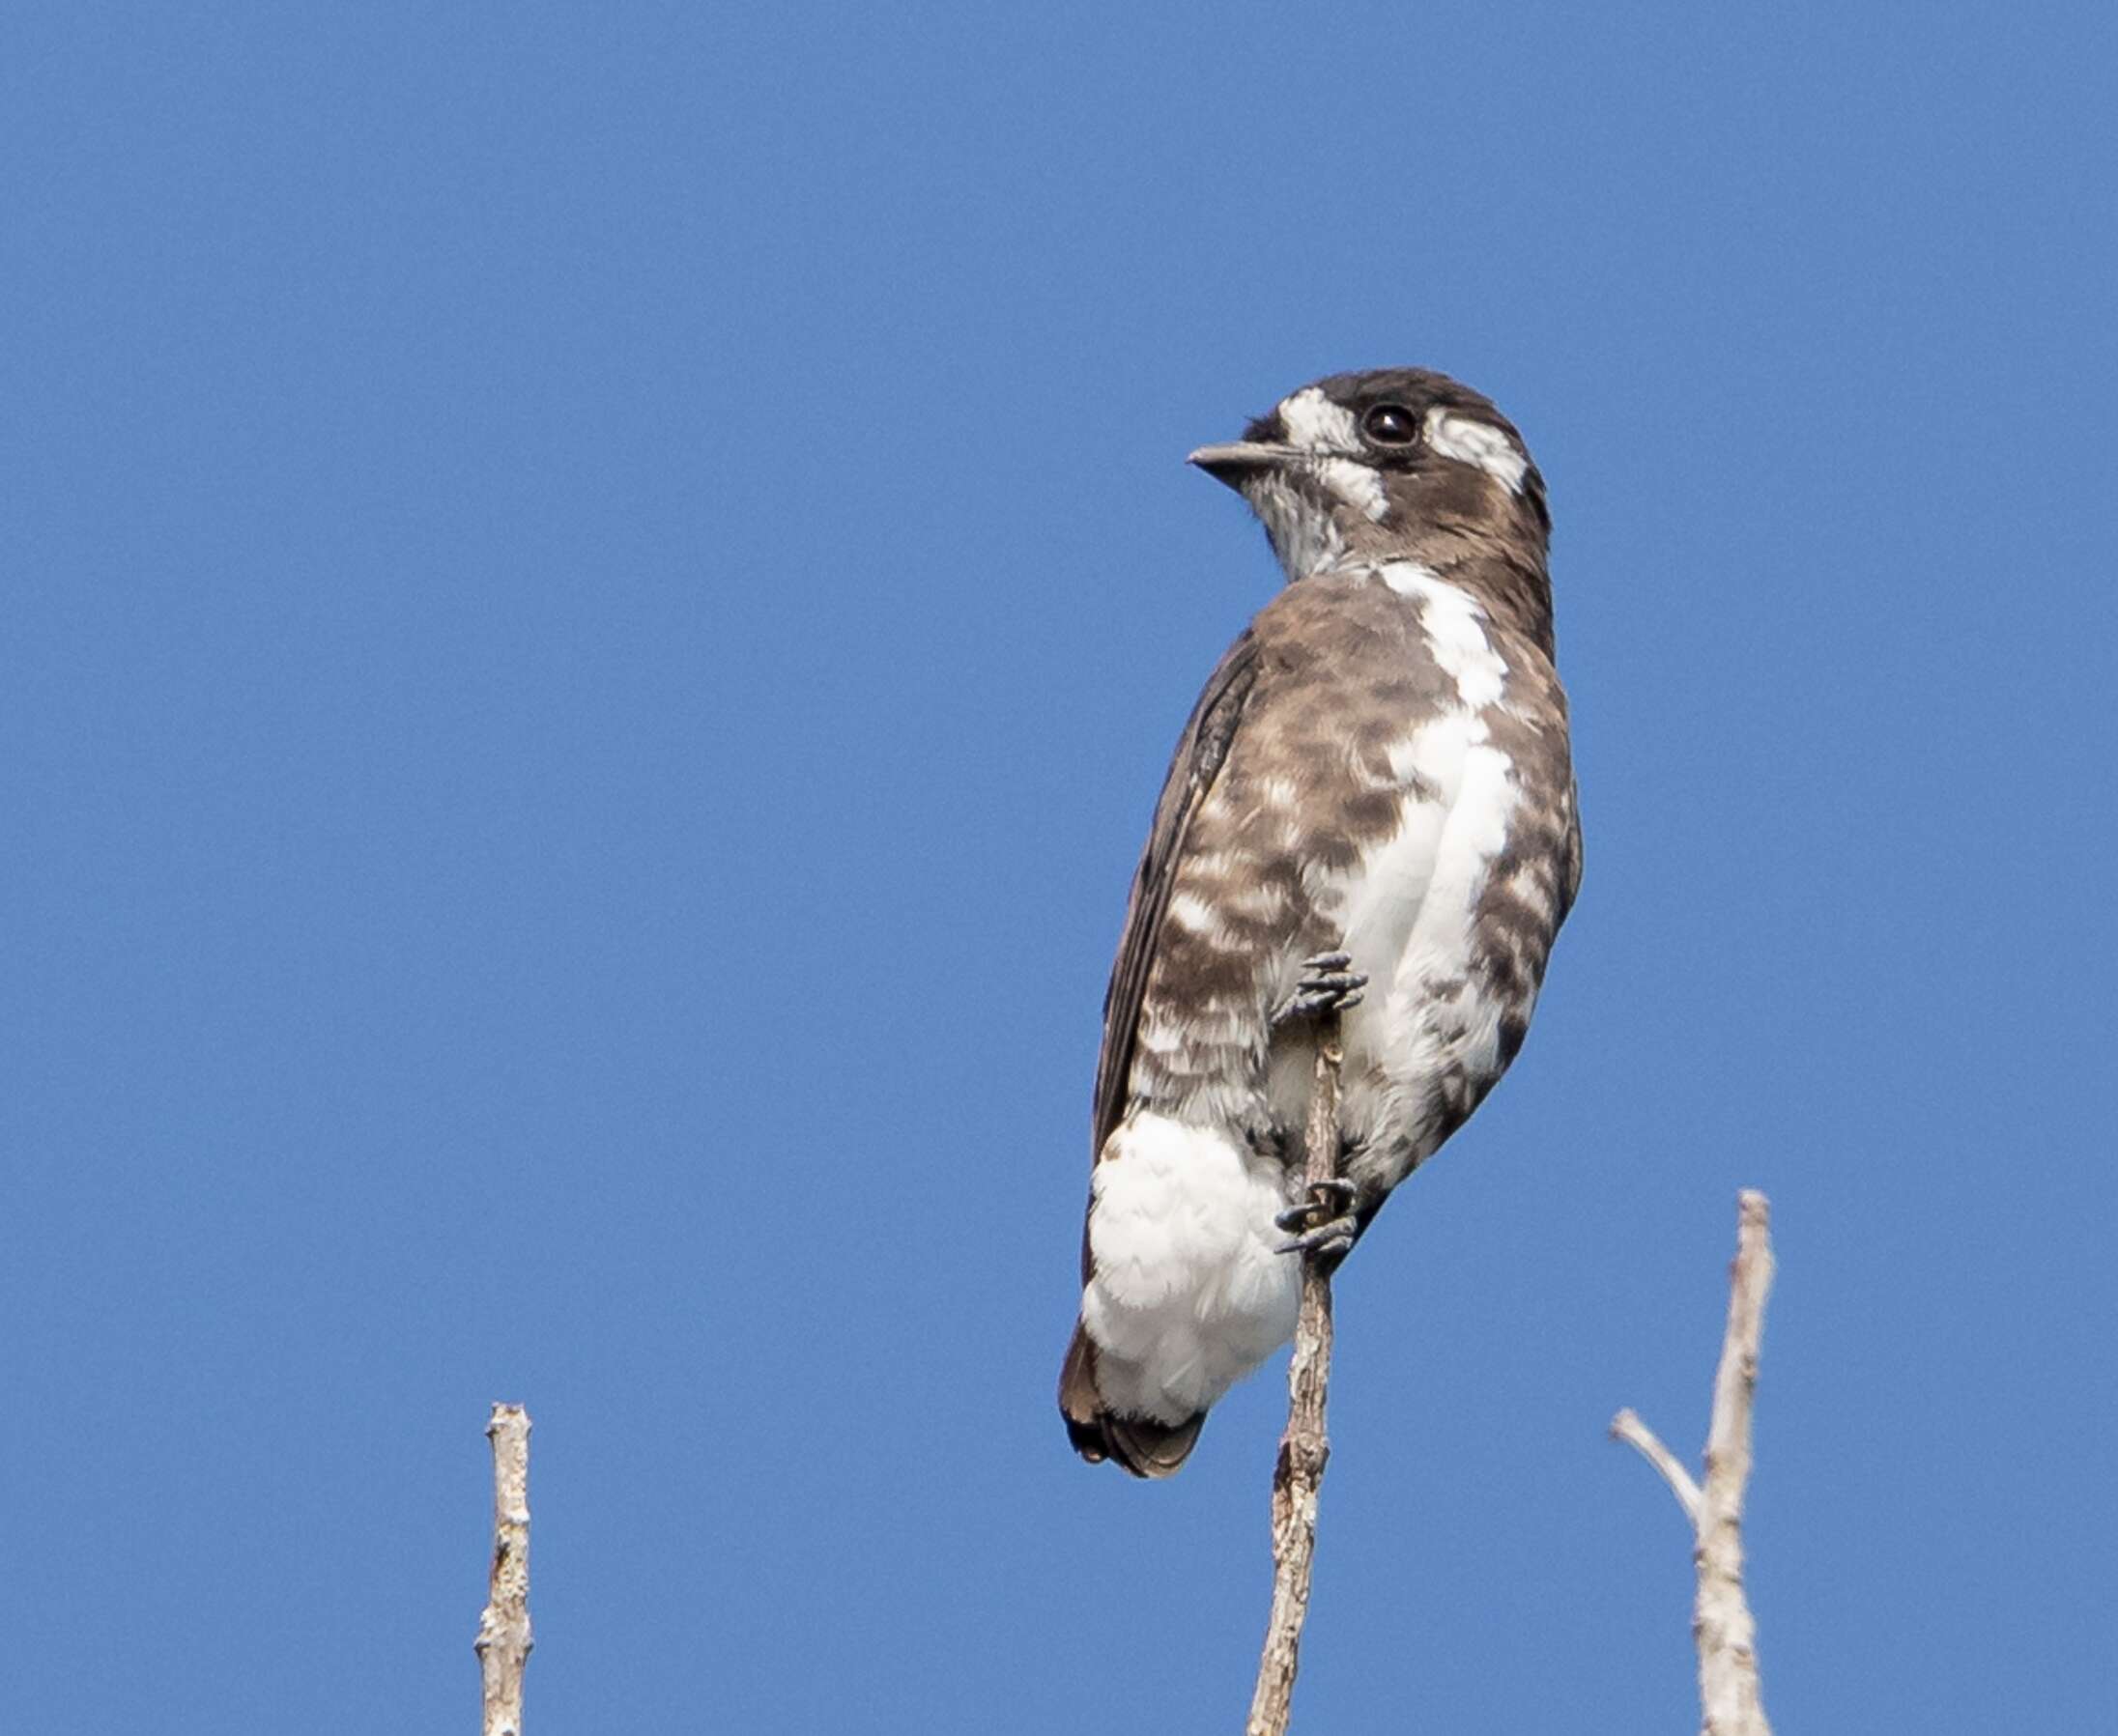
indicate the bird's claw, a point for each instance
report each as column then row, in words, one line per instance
column 1334, row 1194
column 1332, row 1242
column 1325, row 985
column 1312, row 1232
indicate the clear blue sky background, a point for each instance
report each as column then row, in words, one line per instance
column 597, row 598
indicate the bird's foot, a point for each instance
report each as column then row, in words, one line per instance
column 1325, row 985
column 1322, row 1225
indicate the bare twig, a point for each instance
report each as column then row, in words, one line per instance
column 1303, row 1449
column 1628, row 1427
column 1722, row 1627
column 504, row 1631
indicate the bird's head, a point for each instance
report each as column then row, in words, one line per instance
column 1395, row 464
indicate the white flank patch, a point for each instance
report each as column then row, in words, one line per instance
column 1456, row 627
column 1408, row 907
column 1420, row 1034
column 1470, row 440
column 1190, row 1293
column 1408, row 912
column 1384, row 899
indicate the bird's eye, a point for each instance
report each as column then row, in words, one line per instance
column 1391, row 425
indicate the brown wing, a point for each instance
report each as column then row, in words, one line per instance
column 1200, row 755
column 1144, row 1447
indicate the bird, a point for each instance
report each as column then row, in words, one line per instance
column 1372, row 813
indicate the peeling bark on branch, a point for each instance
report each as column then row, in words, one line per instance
column 1298, row 1475
column 504, row 1631
column 1722, row 1626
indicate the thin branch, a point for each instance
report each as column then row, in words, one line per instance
column 504, row 1631
column 1728, row 1636
column 1628, row 1427
column 1722, row 1626
column 1298, row 1475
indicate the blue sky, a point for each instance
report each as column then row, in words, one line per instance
column 597, row 599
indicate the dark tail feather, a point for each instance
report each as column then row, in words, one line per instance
column 1144, row 1447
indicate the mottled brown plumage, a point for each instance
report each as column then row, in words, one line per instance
column 1379, row 761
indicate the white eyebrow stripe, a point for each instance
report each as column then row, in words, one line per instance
column 1468, row 441
column 1313, row 423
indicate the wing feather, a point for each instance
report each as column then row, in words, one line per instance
column 1201, row 753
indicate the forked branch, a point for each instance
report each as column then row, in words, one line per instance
column 1722, row 1627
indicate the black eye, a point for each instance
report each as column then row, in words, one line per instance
column 1391, row 425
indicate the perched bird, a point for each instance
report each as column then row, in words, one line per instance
column 1371, row 811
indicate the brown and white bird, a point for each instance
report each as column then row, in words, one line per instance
column 1371, row 811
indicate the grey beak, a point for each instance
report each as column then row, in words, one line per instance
column 1238, row 460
